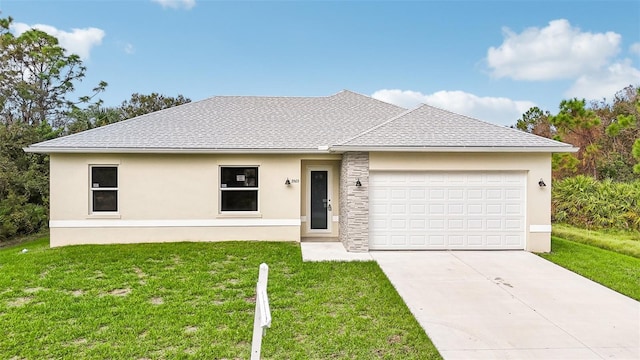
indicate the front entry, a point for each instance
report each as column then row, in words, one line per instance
column 319, row 200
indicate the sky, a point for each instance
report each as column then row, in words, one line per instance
column 492, row 60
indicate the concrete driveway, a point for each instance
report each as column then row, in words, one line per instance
column 512, row 305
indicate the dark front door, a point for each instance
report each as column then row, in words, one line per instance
column 320, row 203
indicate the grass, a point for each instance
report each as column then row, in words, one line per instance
column 616, row 271
column 624, row 242
column 196, row 300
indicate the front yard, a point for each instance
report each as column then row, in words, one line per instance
column 196, row 300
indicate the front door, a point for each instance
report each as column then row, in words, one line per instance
column 320, row 203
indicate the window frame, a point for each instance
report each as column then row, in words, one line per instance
column 92, row 211
column 222, row 189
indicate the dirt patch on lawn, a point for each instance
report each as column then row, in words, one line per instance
column 120, row 292
column 190, row 329
column 141, row 275
column 156, row 301
column 18, row 302
column 33, row 290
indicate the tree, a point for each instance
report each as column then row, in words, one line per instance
column 579, row 125
column 38, row 78
column 36, row 86
column 24, row 180
column 140, row 104
column 96, row 115
column 535, row 121
column 607, row 133
column 92, row 117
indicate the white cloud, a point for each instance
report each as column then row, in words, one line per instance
column 635, row 48
column 558, row 51
column 498, row 110
column 605, row 83
column 78, row 41
column 176, row 4
column 128, row 48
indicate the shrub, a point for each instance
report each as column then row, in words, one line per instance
column 586, row 202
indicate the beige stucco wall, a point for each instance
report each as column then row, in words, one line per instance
column 172, row 198
column 176, row 197
column 536, row 165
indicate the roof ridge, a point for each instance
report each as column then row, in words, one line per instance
column 379, row 125
column 370, row 98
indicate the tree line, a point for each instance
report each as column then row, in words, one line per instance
column 37, row 103
column 607, row 133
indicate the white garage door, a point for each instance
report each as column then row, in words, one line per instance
column 446, row 210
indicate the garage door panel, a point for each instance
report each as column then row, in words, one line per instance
column 475, row 225
column 398, row 208
column 436, row 194
column 418, row 209
column 433, row 210
column 456, row 240
column 436, row 224
column 455, row 224
column 475, row 194
column 436, row 240
column 494, row 209
column 456, row 194
column 436, row 209
column 474, row 209
column 399, row 194
column 513, row 224
column 455, row 209
column 513, row 194
column 493, row 194
column 417, row 194
column 513, row 209
column 493, row 224
column 417, row 240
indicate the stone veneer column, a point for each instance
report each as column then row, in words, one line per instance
column 354, row 201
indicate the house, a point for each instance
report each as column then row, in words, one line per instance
column 344, row 167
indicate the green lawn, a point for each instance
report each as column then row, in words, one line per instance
column 624, row 242
column 616, row 271
column 196, row 300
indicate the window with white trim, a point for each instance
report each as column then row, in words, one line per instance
column 104, row 188
column 238, row 188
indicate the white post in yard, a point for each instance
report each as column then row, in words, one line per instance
column 262, row 318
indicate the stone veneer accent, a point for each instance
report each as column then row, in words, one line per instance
column 354, row 201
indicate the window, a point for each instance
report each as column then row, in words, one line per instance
column 239, row 188
column 104, row 189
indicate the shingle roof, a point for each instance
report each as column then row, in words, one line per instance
column 240, row 122
column 250, row 123
column 431, row 127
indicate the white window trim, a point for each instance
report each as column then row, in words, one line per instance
column 221, row 189
column 92, row 189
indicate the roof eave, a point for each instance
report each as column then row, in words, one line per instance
column 474, row 149
column 114, row 150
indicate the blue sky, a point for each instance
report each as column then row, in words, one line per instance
column 488, row 59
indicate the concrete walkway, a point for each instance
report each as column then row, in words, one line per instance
column 512, row 305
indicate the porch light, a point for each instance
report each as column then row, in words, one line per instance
column 358, row 183
column 541, row 183
column 287, row 182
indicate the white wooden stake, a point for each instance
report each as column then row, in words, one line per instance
column 262, row 319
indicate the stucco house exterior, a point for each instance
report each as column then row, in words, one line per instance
column 373, row 175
